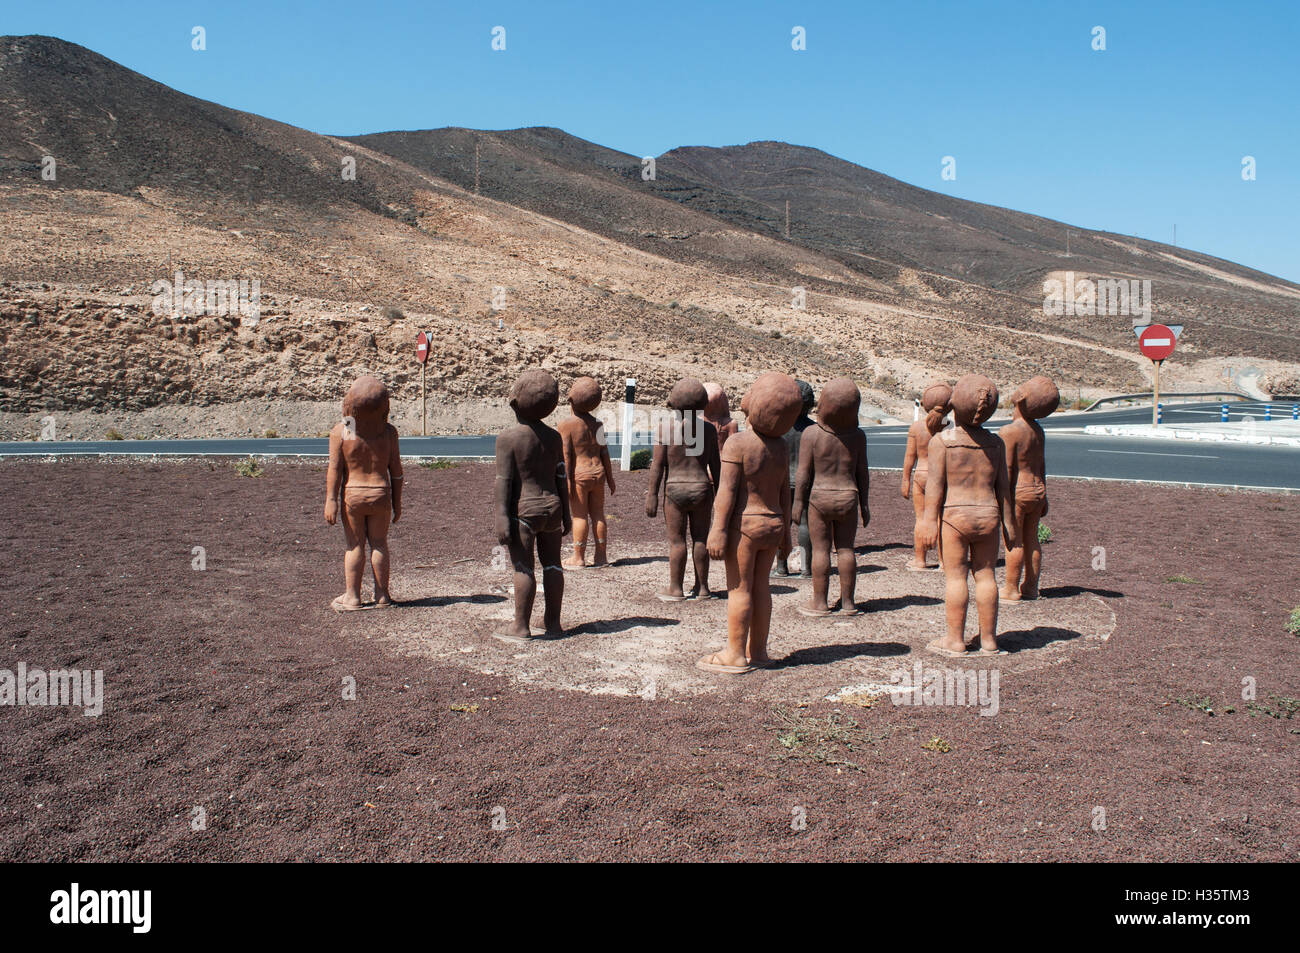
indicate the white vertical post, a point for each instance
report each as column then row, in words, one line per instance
column 625, row 440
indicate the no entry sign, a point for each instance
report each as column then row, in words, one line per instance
column 422, row 347
column 1157, row 342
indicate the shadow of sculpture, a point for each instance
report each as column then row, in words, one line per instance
column 827, row 654
column 609, row 626
column 1019, row 640
column 478, row 599
column 1063, row 592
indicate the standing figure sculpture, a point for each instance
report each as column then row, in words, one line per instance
column 718, row 412
column 967, row 500
column 832, row 490
column 586, row 461
column 531, row 503
column 934, row 401
column 751, row 520
column 1027, row 474
column 366, row 467
column 687, row 465
column 782, row 565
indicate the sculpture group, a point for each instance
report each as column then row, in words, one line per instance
column 732, row 495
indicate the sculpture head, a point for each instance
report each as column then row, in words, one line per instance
column 718, row 407
column 772, row 404
column 584, row 395
column 934, row 399
column 806, row 393
column 936, row 396
column 973, row 400
column 534, row 395
column 688, row 394
column 366, row 402
column 1037, row 398
column 837, row 409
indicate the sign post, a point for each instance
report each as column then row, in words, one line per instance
column 422, row 356
column 1156, row 341
column 625, row 441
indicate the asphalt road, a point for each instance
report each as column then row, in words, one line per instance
column 1071, row 453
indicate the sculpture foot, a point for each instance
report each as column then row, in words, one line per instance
column 341, row 604
column 670, row 597
column 710, row 663
column 812, row 612
column 938, row 648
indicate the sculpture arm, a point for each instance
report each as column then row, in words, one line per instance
column 863, row 474
column 395, row 477
column 728, row 489
column 909, row 464
column 936, row 488
column 335, row 475
column 505, row 466
column 803, row 479
column 1007, row 502
column 658, row 471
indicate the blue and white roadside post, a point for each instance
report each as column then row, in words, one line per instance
column 1268, row 412
column 1295, row 411
column 1160, row 410
column 1223, row 413
column 625, row 440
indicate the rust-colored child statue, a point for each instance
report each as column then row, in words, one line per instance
column 586, row 460
column 832, row 489
column 792, row 441
column 1027, row 474
column 967, row 499
column 751, row 520
column 934, row 401
column 687, row 465
column 718, row 412
column 366, row 467
column 531, row 501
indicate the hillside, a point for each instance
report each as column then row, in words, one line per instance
column 593, row 269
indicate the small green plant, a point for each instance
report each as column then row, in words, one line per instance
column 1294, row 625
column 437, row 464
column 249, row 468
column 1044, row 532
column 1202, row 705
column 641, row 459
column 937, row 744
column 391, row 313
column 1286, row 707
column 1184, row 580
column 272, row 434
column 114, row 434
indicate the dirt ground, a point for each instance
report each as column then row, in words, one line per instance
column 225, row 688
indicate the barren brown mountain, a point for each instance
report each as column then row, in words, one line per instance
column 565, row 257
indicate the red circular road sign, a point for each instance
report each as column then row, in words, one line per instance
column 1157, row 342
column 421, row 347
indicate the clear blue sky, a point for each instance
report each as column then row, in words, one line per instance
column 1145, row 135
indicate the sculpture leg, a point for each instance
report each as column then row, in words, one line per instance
column 549, row 548
column 845, row 531
column 1015, row 560
column 956, row 566
column 740, row 605
column 675, row 519
column 354, row 559
column 596, row 515
column 377, row 535
column 919, row 550
column 984, row 556
column 578, row 511
column 805, row 545
column 760, row 620
column 820, row 531
column 521, row 555
column 1033, row 550
column 700, row 519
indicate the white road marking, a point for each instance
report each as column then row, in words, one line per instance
column 1152, row 453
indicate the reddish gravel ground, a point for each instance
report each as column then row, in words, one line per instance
column 223, row 692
